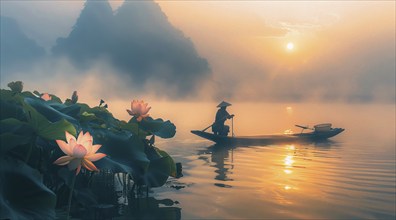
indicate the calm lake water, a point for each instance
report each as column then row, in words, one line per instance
column 352, row 176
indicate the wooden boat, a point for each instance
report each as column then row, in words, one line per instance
column 321, row 133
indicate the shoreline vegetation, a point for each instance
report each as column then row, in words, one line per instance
column 38, row 129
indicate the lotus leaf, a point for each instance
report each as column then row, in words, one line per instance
column 46, row 129
column 11, row 110
column 14, row 133
column 22, row 193
column 159, row 127
column 70, row 110
column 46, row 110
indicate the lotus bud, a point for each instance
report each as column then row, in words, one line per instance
column 16, row 86
column 101, row 102
column 74, row 98
column 46, row 97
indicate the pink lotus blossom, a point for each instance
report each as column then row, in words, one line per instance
column 139, row 109
column 46, row 97
column 79, row 152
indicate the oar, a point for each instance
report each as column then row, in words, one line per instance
column 303, row 127
column 232, row 126
column 214, row 123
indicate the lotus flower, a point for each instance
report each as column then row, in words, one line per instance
column 79, row 152
column 74, row 98
column 139, row 109
column 46, row 97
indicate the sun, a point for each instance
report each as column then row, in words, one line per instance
column 290, row 46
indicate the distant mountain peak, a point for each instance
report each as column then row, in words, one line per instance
column 139, row 41
column 16, row 49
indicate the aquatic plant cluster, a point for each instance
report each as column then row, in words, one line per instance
column 52, row 149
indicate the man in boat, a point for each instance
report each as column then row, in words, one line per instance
column 222, row 115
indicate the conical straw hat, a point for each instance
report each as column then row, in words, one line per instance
column 223, row 104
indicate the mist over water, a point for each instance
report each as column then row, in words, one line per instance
column 267, row 118
column 350, row 176
column 340, row 72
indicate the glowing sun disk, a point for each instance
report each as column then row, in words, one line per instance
column 290, row 46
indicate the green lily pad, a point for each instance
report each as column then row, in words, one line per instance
column 10, row 140
column 158, row 127
column 161, row 167
column 121, row 146
column 14, row 133
column 70, row 110
column 169, row 161
column 133, row 127
column 157, row 173
column 6, row 94
column 15, row 126
column 56, row 131
column 47, row 110
column 22, row 193
column 10, row 110
column 46, row 129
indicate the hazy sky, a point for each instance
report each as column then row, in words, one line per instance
column 342, row 50
column 257, row 50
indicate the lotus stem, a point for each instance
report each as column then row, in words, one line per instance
column 124, row 194
column 70, row 196
column 29, row 152
column 138, row 130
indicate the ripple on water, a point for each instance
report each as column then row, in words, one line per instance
column 287, row 181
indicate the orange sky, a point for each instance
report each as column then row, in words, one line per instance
column 260, row 30
column 247, row 40
column 341, row 49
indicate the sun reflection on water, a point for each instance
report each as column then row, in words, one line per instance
column 288, row 161
column 290, row 147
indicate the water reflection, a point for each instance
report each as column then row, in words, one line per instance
column 292, row 181
column 295, row 158
column 138, row 205
column 151, row 208
column 288, row 165
column 222, row 159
